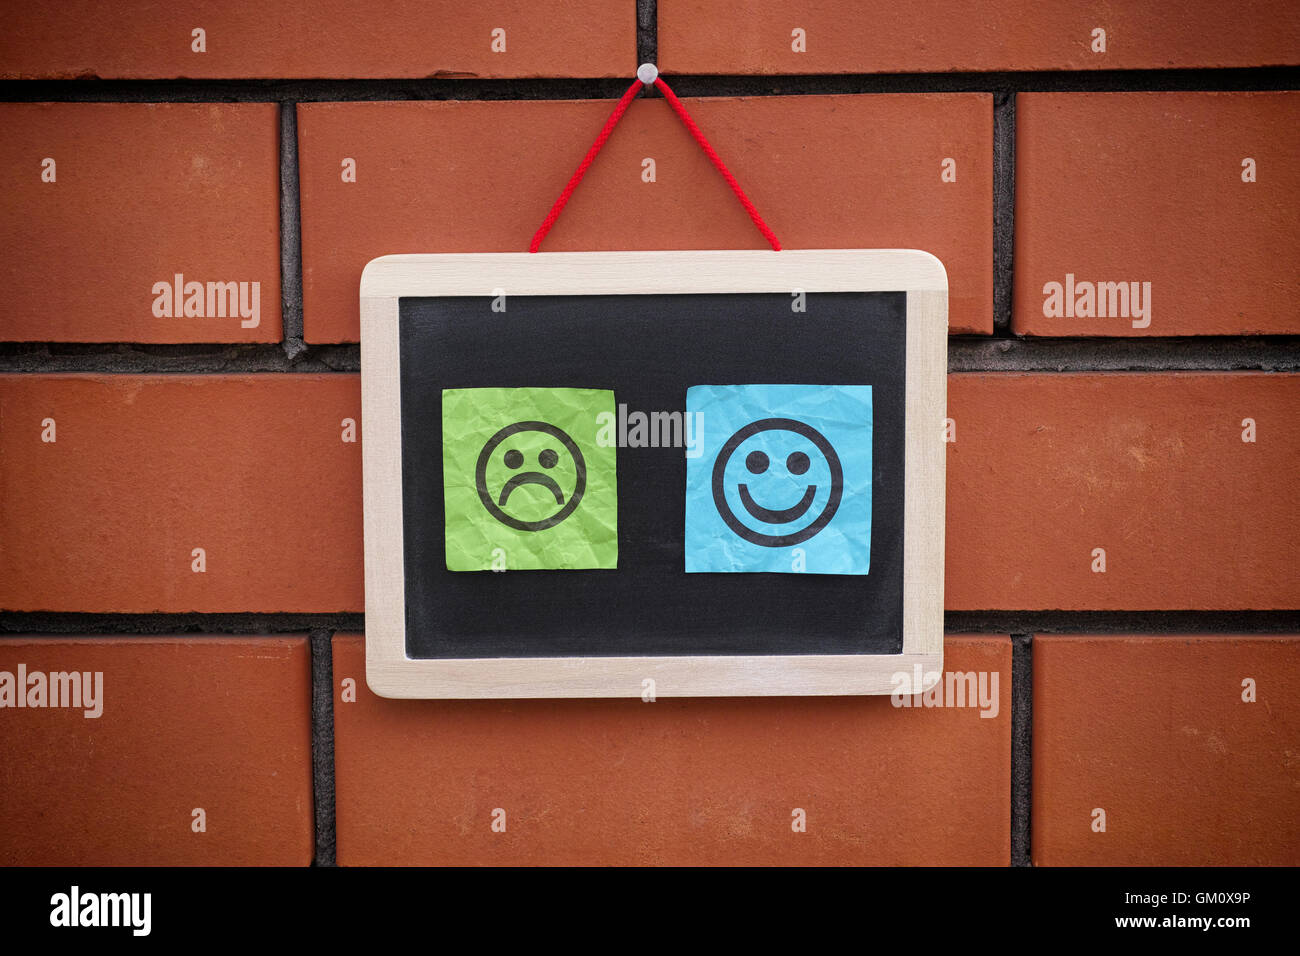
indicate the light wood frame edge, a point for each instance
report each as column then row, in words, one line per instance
column 390, row 673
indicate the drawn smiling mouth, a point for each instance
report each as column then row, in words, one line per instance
column 785, row 515
column 531, row 478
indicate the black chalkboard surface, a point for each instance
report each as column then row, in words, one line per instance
column 648, row 349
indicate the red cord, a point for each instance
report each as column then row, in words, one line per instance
column 624, row 102
column 718, row 164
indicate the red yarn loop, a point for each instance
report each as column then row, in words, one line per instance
column 677, row 107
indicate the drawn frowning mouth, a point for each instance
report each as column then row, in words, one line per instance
column 531, row 478
column 784, row 515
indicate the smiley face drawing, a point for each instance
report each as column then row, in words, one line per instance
column 783, row 479
column 524, row 454
column 762, row 480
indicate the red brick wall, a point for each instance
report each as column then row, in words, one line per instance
column 180, row 495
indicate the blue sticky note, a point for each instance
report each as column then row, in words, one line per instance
column 782, row 480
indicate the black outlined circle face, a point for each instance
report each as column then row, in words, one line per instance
column 789, row 454
column 525, row 468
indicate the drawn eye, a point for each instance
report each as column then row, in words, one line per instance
column 514, row 458
column 756, row 462
column 797, row 463
column 547, row 458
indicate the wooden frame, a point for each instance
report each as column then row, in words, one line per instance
column 390, row 673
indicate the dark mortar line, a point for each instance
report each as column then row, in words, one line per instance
column 1273, row 353
column 322, row 746
column 127, row 358
column 1270, row 353
column 647, row 31
column 307, row 91
column 322, row 664
column 1242, row 79
column 290, row 234
column 66, row 624
column 1022, row 723
column 696, row 85
column 1042, row 624
column 1004, row 208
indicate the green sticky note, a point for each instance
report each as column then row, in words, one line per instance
column 527, row 484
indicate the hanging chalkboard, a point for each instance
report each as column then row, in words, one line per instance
column 622, row 474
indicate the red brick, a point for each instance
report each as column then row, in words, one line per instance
column 1046, row 467
column 147, row 468
column 221, row 724
column 1147, row 187
column 685, row 781
column 938, row 36
column 142, row 192
column 335, row 39
column 1149, row 467
column 825, row 172
column 1155, row 732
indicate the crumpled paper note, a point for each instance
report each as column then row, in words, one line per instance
column 526, row 483
column 783, row 481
